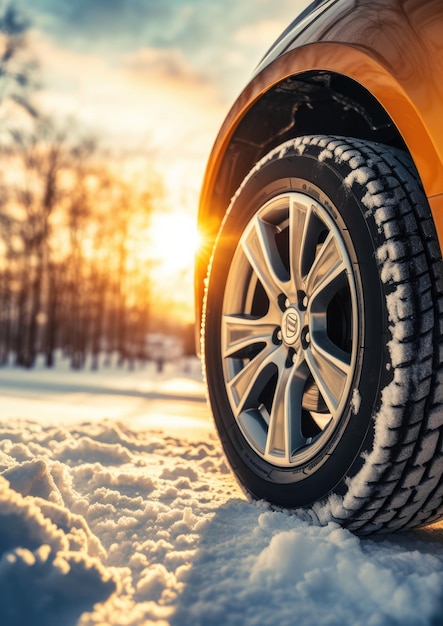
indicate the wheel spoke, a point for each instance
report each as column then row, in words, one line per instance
column 328, row 265
column 260, row 248
column 330, row 368
column 245, row 387
column 244, row 332
column 299, row 217
column 284, row 433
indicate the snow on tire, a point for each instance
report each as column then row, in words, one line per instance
column 321, row 335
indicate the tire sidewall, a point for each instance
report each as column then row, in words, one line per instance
column 342, row 456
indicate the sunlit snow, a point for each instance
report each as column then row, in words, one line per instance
column 117, row 508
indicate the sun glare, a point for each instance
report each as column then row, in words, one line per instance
column 174, row 240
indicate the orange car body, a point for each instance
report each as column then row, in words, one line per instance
column 372, row 69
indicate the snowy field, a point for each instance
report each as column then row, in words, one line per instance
column 117, row 508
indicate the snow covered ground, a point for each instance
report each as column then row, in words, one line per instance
column 117, row 508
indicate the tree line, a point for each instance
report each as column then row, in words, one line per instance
column 74, row 275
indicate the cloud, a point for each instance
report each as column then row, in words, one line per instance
column 259, row 34
column 163, row 65
column 211, row 36
column 98, row 24
column 146, row 99
column 187, row 24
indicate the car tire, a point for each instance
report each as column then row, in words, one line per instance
column 321, row 335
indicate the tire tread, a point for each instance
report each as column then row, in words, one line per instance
column 405, row 488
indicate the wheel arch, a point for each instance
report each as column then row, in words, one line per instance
column 318, row 88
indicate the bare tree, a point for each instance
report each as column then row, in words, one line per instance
column 73, row 272
column 39, row 154
column 18, row 70
column 18, row 81
column 44, row 156
column 79, row 215
column 126, row 281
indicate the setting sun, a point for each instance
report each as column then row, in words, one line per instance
column 174, row 240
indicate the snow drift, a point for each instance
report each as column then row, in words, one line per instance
column 101, row 524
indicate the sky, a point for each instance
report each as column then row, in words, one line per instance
column 154, row 80
column 156, row 77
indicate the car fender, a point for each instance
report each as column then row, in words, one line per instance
column 393, row 49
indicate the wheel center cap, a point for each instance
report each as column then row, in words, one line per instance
column 290, row 326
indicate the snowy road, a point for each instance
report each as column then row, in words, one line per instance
column 172, row 400
column 117, row 508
